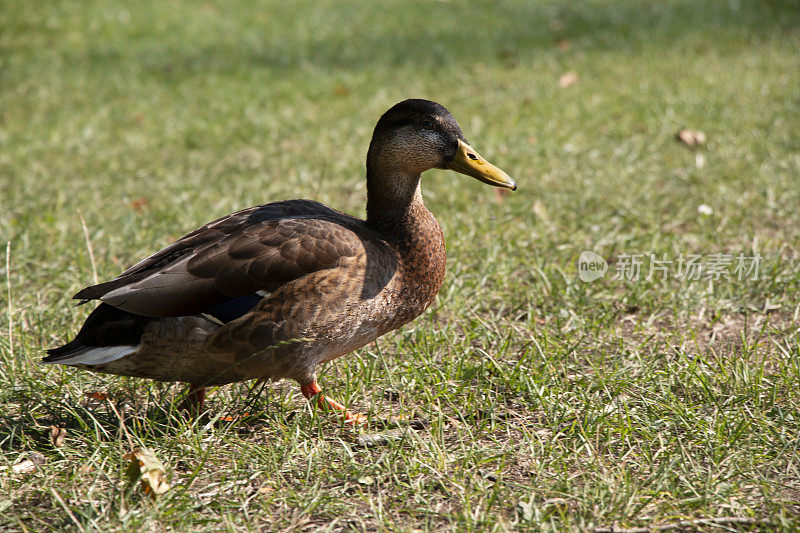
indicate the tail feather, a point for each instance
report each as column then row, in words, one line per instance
column 87, row 355
column 72, row 347
column 95, row 292
column 108, row 334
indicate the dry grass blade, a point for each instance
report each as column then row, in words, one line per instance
column 10, row 306
column 719, row 522
column 89, row 248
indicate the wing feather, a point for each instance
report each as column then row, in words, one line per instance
column 259, row 248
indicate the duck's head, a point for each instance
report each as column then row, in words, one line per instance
column 417, row 135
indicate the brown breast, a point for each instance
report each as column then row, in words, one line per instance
column 422, row 259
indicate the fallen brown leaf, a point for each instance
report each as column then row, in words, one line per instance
column 57, row 436
column 97, row 396
column 563, row 45
column 146, row 468
column 139, row 204
column 233, row 418
column 691, row 138
column 24, row 467
column 28, row 462
column 568, row 79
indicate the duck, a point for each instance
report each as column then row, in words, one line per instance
column 274, row 291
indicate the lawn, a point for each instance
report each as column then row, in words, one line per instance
column 663, row 397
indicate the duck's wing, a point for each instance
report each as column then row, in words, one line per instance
column 242, row 254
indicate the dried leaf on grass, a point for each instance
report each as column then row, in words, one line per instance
column 25, row 466
column 568, row 79
column 691, row 138
column 234, row 418
column 97, row 396
column 27, row 463
column 146, row 468
column 57, row 436
column 140, row 204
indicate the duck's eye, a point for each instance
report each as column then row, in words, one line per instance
column 427, row 124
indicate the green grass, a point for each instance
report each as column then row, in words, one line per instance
column 552, row 403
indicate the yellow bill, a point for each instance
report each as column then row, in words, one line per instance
column 468, row 161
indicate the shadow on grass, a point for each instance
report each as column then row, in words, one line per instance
column 441, row 35
column 123, row 417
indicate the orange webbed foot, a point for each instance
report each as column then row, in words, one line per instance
column 311, row 390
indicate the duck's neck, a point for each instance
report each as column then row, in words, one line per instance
column 394, row 200
column 396, row 211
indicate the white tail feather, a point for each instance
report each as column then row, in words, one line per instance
column 96, row 356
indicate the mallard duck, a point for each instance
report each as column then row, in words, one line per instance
column 272, row 291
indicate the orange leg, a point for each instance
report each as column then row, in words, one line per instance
column 194, row 400
column 313, row 389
